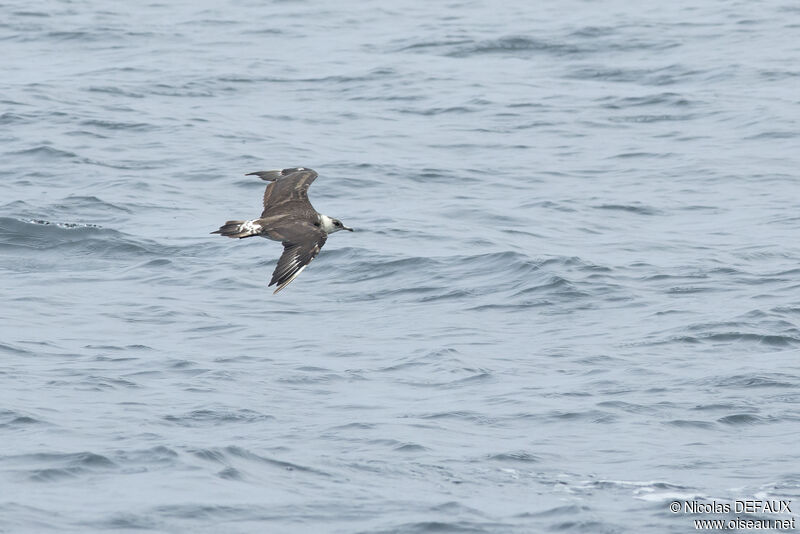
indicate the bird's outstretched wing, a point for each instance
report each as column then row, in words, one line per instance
column 288, row 186
column 297, row 254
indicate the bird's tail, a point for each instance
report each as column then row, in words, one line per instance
column 240, row 229
column 269, row 176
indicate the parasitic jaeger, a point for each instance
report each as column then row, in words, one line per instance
column 288, row 217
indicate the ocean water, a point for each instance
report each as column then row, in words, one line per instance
column 572, row 296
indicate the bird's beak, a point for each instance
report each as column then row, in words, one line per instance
column 346, row 228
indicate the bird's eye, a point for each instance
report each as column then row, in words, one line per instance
column 337, row 224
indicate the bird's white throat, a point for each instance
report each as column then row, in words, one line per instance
column 327, row 224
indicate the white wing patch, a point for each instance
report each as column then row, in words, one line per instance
column 294, row 261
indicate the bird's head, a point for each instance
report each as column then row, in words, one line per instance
column 331, row 225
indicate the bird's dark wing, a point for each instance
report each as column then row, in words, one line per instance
column 297, row 254
column 288, row 185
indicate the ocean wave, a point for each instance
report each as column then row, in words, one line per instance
column 75, row 238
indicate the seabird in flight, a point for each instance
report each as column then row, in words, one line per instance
column 288, row 217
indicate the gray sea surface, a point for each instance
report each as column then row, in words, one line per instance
column 572, row 296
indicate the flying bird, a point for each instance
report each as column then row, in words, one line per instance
column 290, row 218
